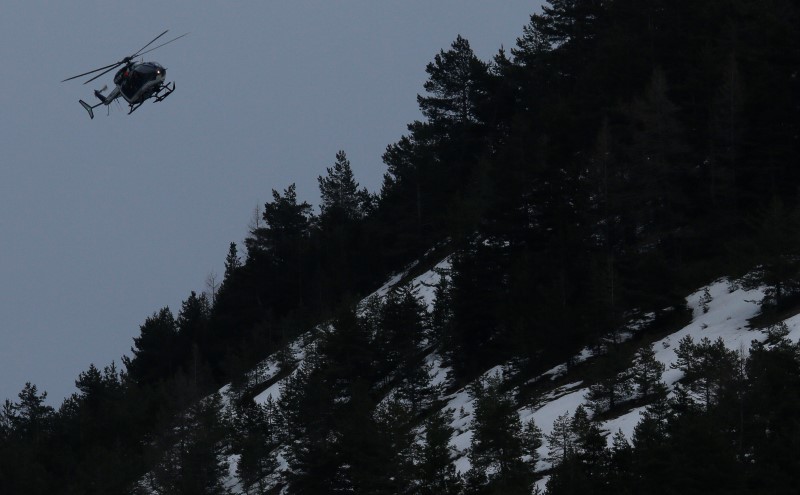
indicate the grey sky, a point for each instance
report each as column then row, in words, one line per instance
column 104, row 221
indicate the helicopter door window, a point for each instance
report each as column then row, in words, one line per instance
column 129, row 82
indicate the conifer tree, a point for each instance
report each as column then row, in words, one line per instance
column 26, row 426
column 340, row 198
column 773, row 399
column 232, row 262
column 496, row 449
column 441, row 316
column 591, row 452
column 456, row 83
column 532, row 441
column 708, row 367
column 613, row 386
column 191, row 454
column 561, row 441
column 255, row 440
column 287, row 222
column 647, row 371
column 620, row 476
column 155, row 355
column 196, row 345
column 777, row 232
column 436, row 473
column 395, row 420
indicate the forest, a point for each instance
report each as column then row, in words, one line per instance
column 620, row 155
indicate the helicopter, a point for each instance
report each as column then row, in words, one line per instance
column 136, row 82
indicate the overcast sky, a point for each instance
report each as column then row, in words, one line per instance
column 104, row 221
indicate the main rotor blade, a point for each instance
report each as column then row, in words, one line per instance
column 162, row 44
column 136, row 54
column 110, row 67
column 115, row 64
column 104, row 72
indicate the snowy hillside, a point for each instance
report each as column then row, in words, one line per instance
column 718, row 311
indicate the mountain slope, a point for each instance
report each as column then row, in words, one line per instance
column 718, row 311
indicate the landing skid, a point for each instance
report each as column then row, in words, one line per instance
column 159, row 95
column 165, row 91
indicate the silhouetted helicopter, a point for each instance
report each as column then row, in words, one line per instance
column 137, row 82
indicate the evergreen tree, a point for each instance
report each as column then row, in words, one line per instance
column 395, row 419
column 255, row 440
column 401, row 328
column 441, row 316
column 287, row 223
column 561, row 440
column 777, row 233
column 477, row 290
column 307, row 415
column 647, row 371
column 620, row 476
column 708, row 367
column 772, row 431
column 276, row 252
column 232, row 262
column 155, row 356
column 192, row 454
column 532, row 441
column 27, row 425
column 614, row 384
column 436, row 473
column 456, row 83
column 340, row 198
column 336, row 444
column 496, row 448
column 194, row 337
column 580, row 449
column 591, row 454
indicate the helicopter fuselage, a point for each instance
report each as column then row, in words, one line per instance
column 139, row 80
column 136, row 82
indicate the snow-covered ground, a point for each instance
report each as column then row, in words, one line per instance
column 718, row 311
column 724, row 316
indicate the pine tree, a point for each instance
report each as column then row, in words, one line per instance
column 192, row 454
column 647, row 371
column 532, row 441
column 192, row 326
column 561, row 441
column 777, row 231
column 456, row 83
column 335, row 442
column 591, row 454
column 395, row 420
column 441, row 316
column 436, row 473
column 232, row 262
column 613, row 386
column 580, row 451
column 340, row 198
column 255, row 440
column 773, row 419
column 620, row 477
column 496, row 447
column 476, row 334
column 401, row 328
column 708, row 367
column 27, row 425
column 155, row 356
column 287, row 222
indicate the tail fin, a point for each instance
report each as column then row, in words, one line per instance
column 98, row 93
column 88, row 108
